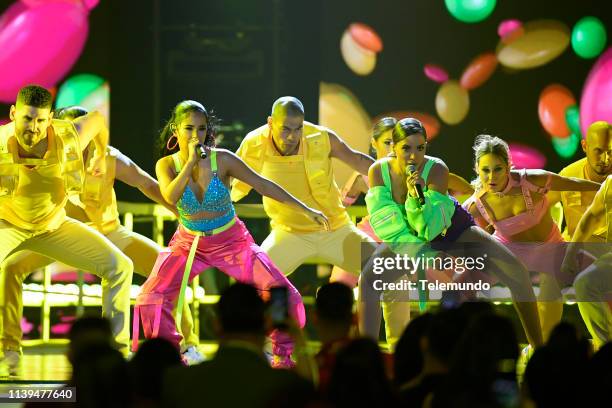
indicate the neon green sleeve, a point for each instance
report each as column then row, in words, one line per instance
column 387, row 218
column 432, row 218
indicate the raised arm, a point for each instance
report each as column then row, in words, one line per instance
column 239, row 170
column 356, row 160
column 128, row 172
column 92, row 127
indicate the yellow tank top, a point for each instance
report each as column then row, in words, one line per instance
column 38, row 199
column 307, row 175
column 96, row 206
column 575, row 203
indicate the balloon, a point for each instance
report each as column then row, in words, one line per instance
column 566, row 147
column 40, row 41
column 340, row 110
column 87, row 90
column 359, row 59
column 513, row 36
column 470, row 11
column 543, row 41
column 99, row 100
column 508, row 26
column 436, row 73
column 526, row 157
column 76, row 88
column 365, row 36
column 554, row 101
column 589, row 37
column 452, row 102
column 572, row 118
column 596, row 103
column 478, row 71
column 432, row 125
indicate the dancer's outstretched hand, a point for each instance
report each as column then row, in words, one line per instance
column 319, row 218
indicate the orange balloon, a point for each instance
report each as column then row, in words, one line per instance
column 431, row 123
column 478, row 71
column 554, row 101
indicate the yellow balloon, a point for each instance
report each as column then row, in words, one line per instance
column 543, row 41
column 342, row 112
column 452, row 102
column 360, row 60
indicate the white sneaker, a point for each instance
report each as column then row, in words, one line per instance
column 11, row 363
column 193, row 356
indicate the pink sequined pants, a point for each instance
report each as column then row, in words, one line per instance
column 232, row 251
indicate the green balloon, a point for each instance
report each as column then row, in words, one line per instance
column 566, row 147
column 76, row 88
column 470, row 11
column 572, row 118
column 589, row 37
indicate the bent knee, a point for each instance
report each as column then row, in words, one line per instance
column 116, row 261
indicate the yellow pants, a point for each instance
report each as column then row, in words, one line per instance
column 593, row 288
column 141, row 250
column 81, row 247
column 341, row 248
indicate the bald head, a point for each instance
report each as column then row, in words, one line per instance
column 287, row 106
column 598, row 130
column 598, row 147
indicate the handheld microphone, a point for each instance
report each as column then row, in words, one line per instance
column 202, row 151
column 419, row 189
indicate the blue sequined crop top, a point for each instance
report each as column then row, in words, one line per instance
column 216, row 199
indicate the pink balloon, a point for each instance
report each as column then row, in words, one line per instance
column 40, row 41
column 436, row 73
column 526, row 157
column 508, row 26
column 596, row 101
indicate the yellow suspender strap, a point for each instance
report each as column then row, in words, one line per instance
column 188, row 266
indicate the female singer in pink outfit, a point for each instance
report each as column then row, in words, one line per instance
column 209, row 233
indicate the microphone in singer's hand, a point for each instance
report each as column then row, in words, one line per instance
column 419, row 189
column 201, row 151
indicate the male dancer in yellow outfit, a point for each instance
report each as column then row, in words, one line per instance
column 596, row 166
column 297, row 155
column 595, row 282
column 96, row 207
column 40, row 165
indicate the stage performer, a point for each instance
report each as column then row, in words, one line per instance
column 41, row 164
column 209, row 233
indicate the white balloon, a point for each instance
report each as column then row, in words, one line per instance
column 360, row 60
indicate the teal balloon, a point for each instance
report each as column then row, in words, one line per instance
column 566, row 147
column 76, row 88
column 589, row 37
column 572, row 118
column 470, row 11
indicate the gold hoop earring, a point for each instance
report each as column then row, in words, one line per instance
column 175, row 143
